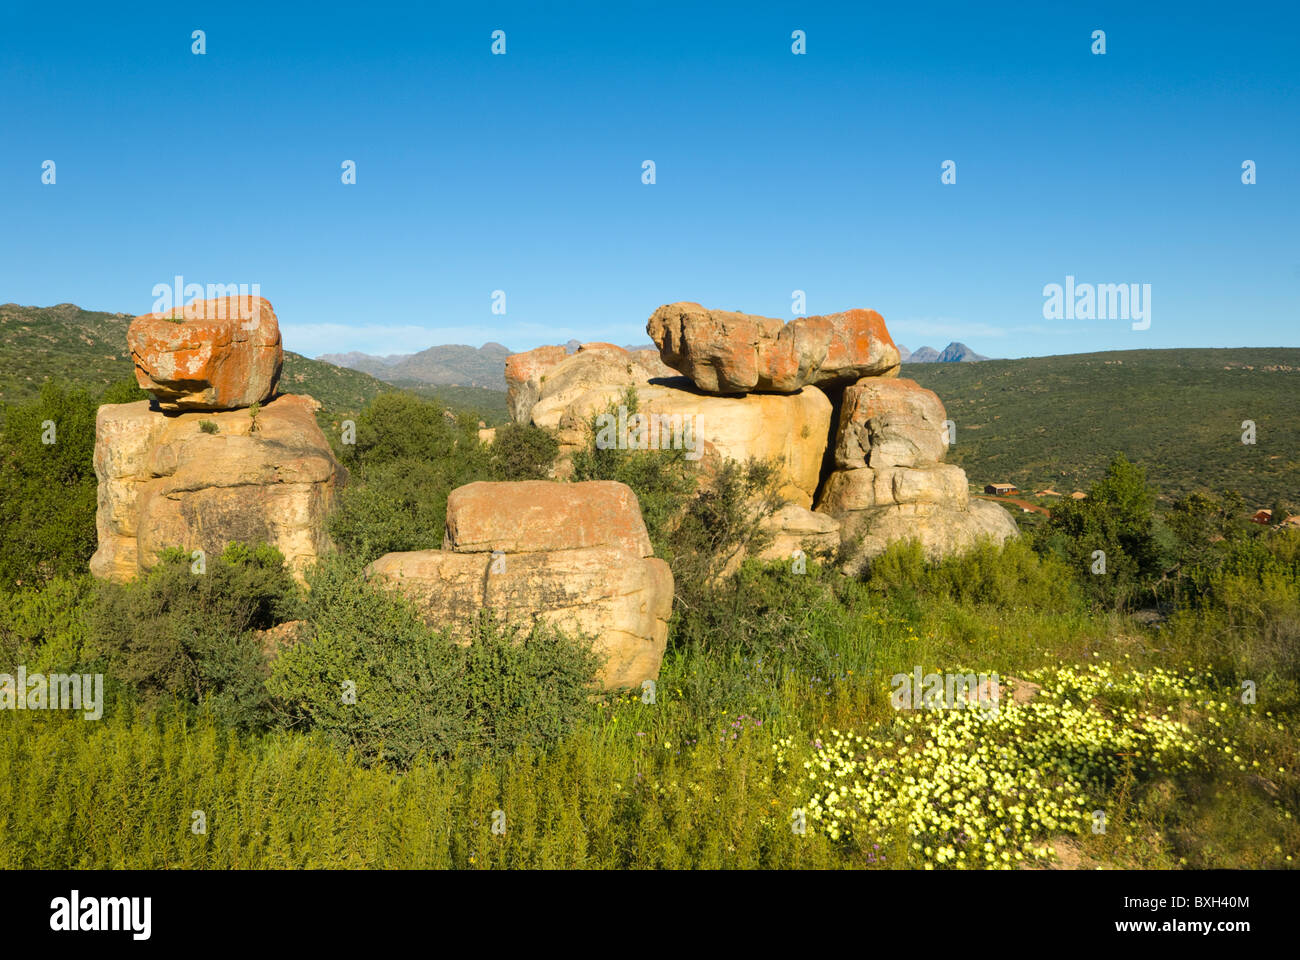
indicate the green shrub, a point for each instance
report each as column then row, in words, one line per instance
column 396, row 505
column 123, row 391
column 1010, row 575
column 44, row 626
column 209, row 426
column 1117, row 518
column 522, row 452
column 175, row 633
column 47, row 489
column 407, row 458
column 376, row 680
column 401, row 426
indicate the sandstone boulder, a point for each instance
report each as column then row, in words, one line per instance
column 898, row 422
column 533, row 515
column 789, row 429
column 572, row 556
column 797, row 528
column 550, row 378
column 167, row 480
column 866, row 488
column 941, row 529
column 524, row 373
column 210, row 355
column 890, row 484
column 727, row 352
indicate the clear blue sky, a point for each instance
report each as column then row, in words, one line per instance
column 775, row 172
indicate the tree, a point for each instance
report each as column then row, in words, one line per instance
column 1118, row 519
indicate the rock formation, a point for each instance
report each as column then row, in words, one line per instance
column 757, row 387
column 575, row 556
column 166, row 481
column 218, row 354
column 890, row 484
column 194, row 468
column 727, row 352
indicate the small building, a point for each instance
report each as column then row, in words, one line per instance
column 1047, row 493
column 1000, row 489
column 1262, row 516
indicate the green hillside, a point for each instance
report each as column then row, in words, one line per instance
column 88, row 348
column 1036, row 422
column 60, row 343
column 1055, row 421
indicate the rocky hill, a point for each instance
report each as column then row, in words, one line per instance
column 955, row 352
column 448, row 365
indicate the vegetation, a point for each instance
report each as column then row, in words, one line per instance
column 1169, row 692
column 1057, row 421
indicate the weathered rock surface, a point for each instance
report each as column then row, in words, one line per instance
column 524, row 373
column 797, row 528
column 210, row 355
column 727, row 352
column 897, row 421
column 866, row 488
column 573, row 556
column 789, row 429
column 551, row 377
column 532, row 515
column 890, row 484
column 164, row 481
column 941, row 529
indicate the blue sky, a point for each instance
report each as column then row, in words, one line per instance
column 774, row 172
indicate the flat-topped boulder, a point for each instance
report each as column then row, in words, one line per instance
column 727, row 352
column 572, row 556
column 201, row 480
column 220, row 354
column 531, row 515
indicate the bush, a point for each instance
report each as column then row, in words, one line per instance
column 123, row 391
column 408, row 457
column 397, row 505
column 175, row 633
column 1007, row 575
column 47, row 489
column 401, row 426
column 44, row 627
column 522, row 452
column 1244, row 618
column 1117, row 518
column 375, row 679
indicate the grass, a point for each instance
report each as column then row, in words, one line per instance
column 710, row 774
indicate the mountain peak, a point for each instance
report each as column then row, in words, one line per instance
column 955, row 352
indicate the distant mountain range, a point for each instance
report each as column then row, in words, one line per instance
column 953, row 353
column 459, row 365
column 448, row 365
